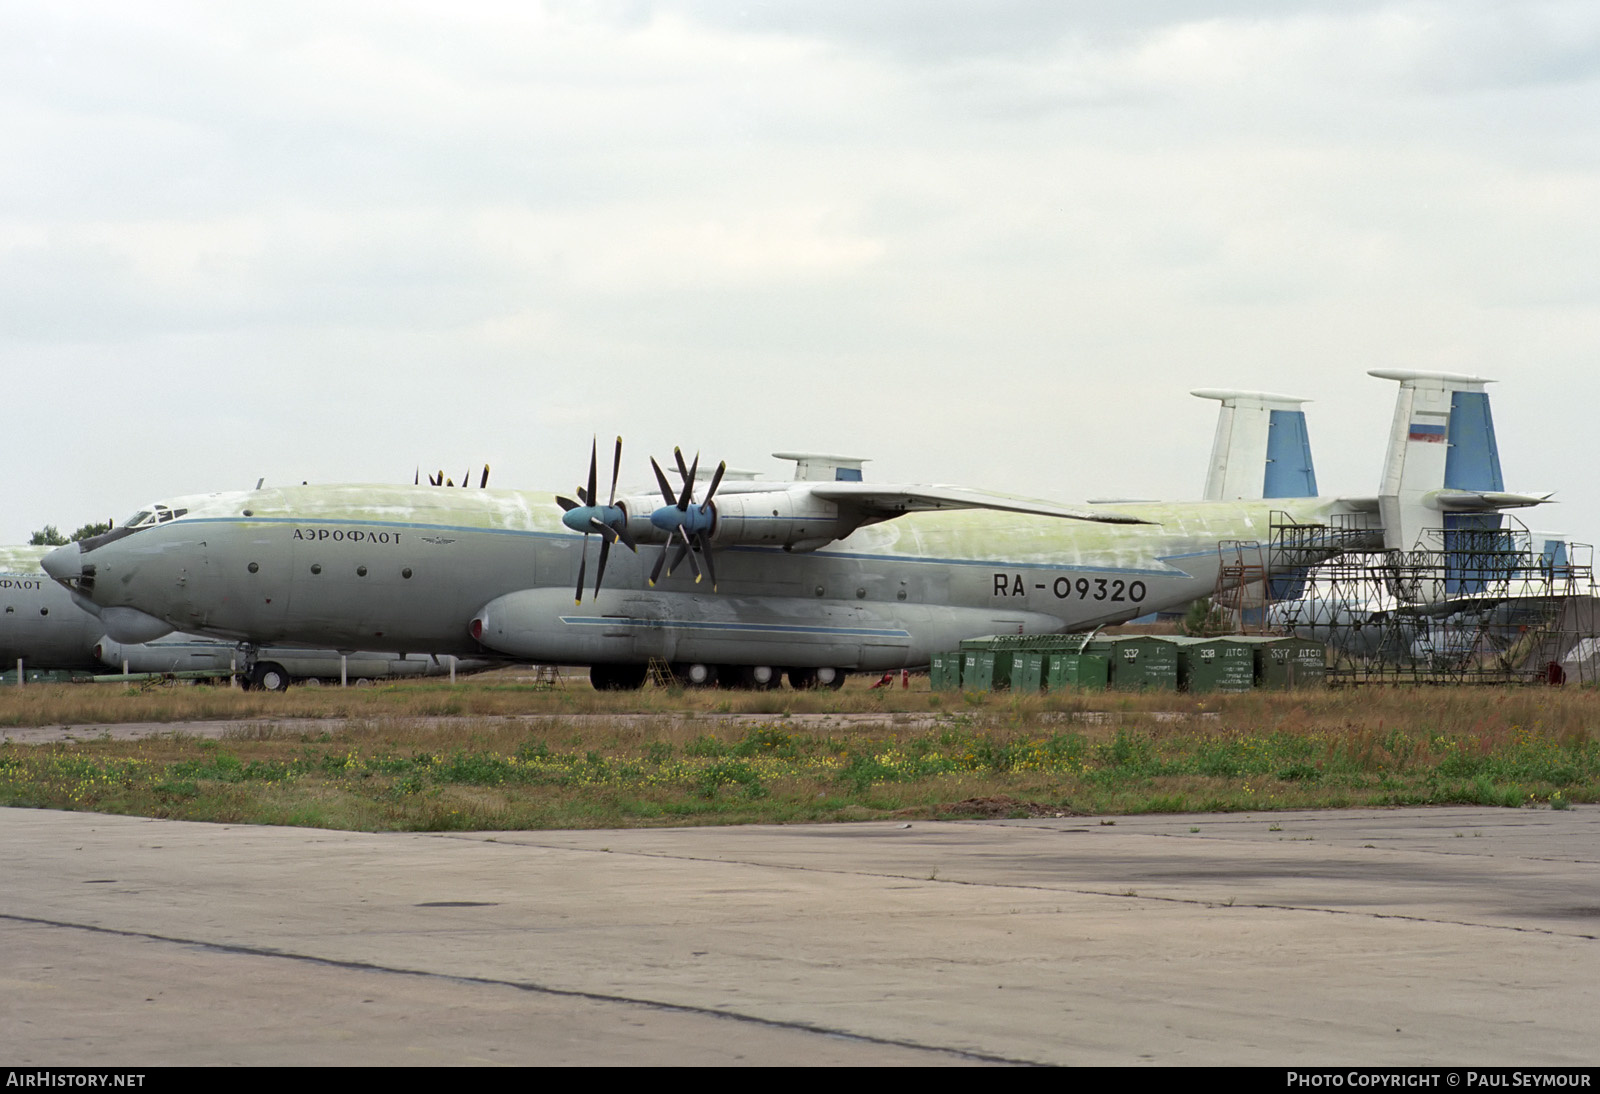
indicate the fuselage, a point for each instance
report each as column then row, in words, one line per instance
column 472, row 571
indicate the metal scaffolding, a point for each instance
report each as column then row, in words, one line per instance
column 1468, row 605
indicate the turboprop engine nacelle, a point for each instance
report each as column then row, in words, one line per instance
column 791, row 519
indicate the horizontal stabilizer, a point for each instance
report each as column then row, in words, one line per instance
column 881, row 501
column 1455, row 501
column 1479, row 501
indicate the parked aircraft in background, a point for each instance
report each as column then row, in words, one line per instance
column 39, row 623
column 275, row 667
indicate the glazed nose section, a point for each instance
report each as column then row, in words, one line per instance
column 65, row 565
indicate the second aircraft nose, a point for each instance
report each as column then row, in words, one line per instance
column 64, row 564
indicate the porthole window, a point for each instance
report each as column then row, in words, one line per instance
column 254, row 567
column 361, row 571
column 44, row 611
column 861, row 594
column 406, row 573
column 819, row 590
column 316, row 568
column 901, row 595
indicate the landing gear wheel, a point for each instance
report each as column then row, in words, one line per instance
column 269, row 676
column 694, row 675
column 802, row 679
column 759, row 677
column 830, row 678
column 617, row 677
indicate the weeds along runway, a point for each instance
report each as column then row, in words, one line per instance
column 1444, row 935
column 216, row 729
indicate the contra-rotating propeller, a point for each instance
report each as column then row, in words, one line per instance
column 610, row 520
column 440, row 480
column 690, row 524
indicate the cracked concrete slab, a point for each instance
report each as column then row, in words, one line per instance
column 1455, row 935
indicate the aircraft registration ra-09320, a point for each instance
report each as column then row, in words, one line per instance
column 745, row 580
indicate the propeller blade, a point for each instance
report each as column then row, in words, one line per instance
column 583, row 496
column 677, row 556
column 567, row 504
column 655, row 571
column 416, row 480
column 607, row 533
column 688, row 481
column 694, row 563
column 485, row 483
column 616, row 469
column 466, row 480
column 583, row 562
column 705, row 549
column 600, row 571
column 716, row 481
column 662, row 481
column 594, row 491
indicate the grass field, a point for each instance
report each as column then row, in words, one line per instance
column 496, row 753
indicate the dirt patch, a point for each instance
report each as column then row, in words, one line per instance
column 1002, row 807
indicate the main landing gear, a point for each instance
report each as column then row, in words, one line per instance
column 695, row 674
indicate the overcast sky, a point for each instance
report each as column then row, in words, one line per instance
column 986, row 243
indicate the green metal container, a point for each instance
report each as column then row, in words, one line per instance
column 944, row 670
column 1090, row 671
column 1027, row 670
column 1138, row 661
column 986, row 670
column 1287, row 662
column 1214, row 664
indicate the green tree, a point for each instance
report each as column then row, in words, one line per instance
column 94, row 529
column 1204, row 619
column 50, row 535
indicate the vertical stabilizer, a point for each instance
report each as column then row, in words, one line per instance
column 1261, row 450
column 1442, row 438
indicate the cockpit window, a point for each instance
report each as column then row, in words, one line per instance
column 156, row 514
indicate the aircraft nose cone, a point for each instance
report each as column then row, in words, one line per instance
column 64, row 564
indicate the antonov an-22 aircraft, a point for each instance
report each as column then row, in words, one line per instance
column 815, row 577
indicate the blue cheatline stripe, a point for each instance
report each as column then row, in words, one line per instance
column 573, row 536
column 763, row 628
column 348, row 522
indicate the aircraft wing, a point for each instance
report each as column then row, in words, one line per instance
column 882, row 502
